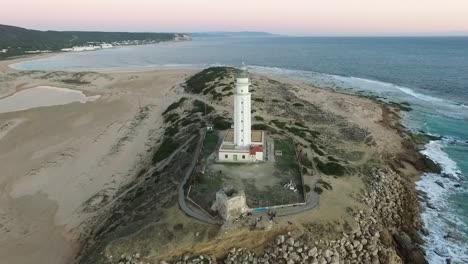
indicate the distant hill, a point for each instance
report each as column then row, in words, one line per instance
column 233, row 34
column 17, row 40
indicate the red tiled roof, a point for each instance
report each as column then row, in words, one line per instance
column 256, row 149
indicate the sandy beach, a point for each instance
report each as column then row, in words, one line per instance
column 60, row 164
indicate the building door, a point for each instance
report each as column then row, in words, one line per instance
column 234, row 157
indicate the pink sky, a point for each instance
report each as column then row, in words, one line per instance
column 301, row 17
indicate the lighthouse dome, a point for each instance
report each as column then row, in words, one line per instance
column 242, row 72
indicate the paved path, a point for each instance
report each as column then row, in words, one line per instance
column 189, row 210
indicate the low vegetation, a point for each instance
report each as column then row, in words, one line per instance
column 220, row 123
column 165, row 149
column 201, row 107
column 329, row 168
column 175, row 105
column 199, row 82
column 209, row 144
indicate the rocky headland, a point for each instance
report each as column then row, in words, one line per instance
column 352, row 150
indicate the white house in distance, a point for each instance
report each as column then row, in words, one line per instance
column 242, row 144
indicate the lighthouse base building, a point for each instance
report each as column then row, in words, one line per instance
column 241, row 144
column 230, row 152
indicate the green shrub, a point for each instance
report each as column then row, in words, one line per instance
column 300, row 124
column 171, row 117
column 221, row 124
column 264, row 127
column 259, row 118
column 75, row 81
column 318, row 190
column 306, row 188
column 201, row 107
column 172, row 130
column 175, row 105
column 316, row 149
column 197, row 83
column 187, row 121
column 278, row 123
column 165, row 149
column 298, row 104
column 258, row 100
column 227, row 88
column 330, row 168
column 209, row 144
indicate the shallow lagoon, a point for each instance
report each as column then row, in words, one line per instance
column 42, row 96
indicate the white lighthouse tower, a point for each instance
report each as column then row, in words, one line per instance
column 242, row 116
column 241, row 144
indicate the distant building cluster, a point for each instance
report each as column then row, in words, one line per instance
column 3, row 51
column 89, row 47
column 37, row 51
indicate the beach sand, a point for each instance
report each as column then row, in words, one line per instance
column 60, row 164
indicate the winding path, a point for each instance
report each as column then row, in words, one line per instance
column 190, row 211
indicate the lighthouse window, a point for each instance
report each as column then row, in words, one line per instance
column 226, row 156
column 243, row 156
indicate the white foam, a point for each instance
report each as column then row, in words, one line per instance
column 41, row 96
column 439, row 221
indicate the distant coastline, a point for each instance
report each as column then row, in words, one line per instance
column 16, row 41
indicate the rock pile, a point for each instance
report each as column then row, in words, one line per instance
column 393, row 200
column 130, row 259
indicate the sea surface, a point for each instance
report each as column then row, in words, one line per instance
column 429, row 73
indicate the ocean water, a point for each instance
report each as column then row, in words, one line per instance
column 431, row 74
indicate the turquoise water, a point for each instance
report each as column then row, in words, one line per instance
column 429, row 73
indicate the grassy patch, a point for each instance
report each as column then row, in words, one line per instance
column 227, row 88
column 201, row 107
column 171, row 117
column 221, row 123
column 330, row 168
column 287, row 161
column 175, row 105
column 316, row 149
column 209, row 144
column 75, row 81
column 187, row 121
column 172, row 130
column 278, row 123
column 198, row 82
column 165, row 149
column 264, row 127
